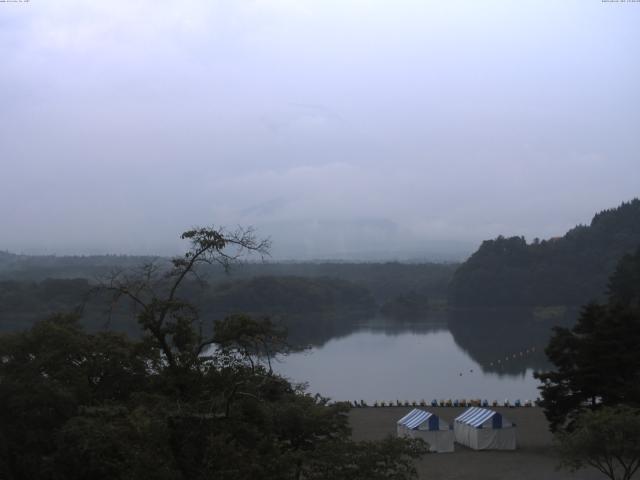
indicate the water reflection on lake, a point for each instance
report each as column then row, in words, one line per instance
column 492, row 359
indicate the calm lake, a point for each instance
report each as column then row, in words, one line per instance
column 490, row 356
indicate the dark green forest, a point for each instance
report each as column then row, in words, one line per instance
column 570, row 270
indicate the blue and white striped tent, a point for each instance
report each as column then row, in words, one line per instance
column 483, row 429
column 429, row 427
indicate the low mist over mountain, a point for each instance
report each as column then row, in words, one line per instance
column 342, row 129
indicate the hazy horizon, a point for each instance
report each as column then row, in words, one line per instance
column 351, row 130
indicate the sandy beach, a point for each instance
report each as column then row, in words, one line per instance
column 534, row 458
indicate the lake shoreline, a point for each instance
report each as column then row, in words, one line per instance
column 533, row 459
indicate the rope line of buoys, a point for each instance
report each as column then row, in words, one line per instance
column 475, row 402
column 513, row 356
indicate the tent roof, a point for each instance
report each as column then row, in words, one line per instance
column 415, row 418
column 475, row 416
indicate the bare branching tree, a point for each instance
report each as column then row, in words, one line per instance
column 154, row 290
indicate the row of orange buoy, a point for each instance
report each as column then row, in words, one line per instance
column 513, row 356
column 445, row 403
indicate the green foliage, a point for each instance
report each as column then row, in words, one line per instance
column 607, row 439
column 173, row 404
column 114, row 442
column 570, row 270
column 598, row 360
column 624, row 284
column 75, row 405
column 48, row 374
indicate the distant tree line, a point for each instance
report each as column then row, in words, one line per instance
column 289, row 295
column 384, row 280
column 317, row 303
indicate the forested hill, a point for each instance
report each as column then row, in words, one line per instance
column 570, row 270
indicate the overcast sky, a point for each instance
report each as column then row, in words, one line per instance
column 342, row 129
